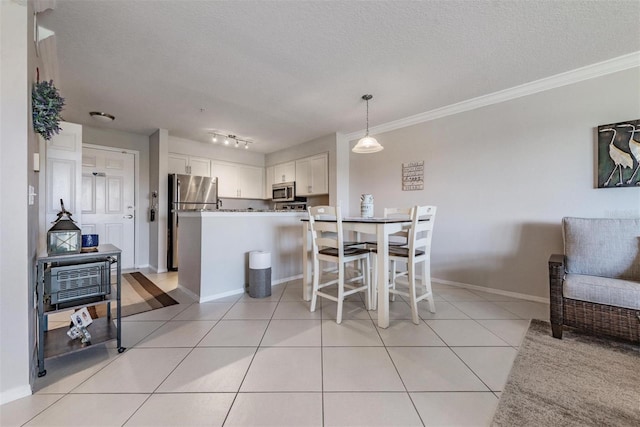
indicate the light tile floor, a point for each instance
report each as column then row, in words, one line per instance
column 246, row 362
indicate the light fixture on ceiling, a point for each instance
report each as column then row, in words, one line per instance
column 102, row 117
column 368, row 144
column 229, row 138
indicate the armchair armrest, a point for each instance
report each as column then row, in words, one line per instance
column 556, row 278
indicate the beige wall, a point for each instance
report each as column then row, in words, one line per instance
column 503, row 176
column 19, row 230
column 216, row 151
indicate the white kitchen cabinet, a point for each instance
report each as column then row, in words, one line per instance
column 250, row 182
column 239, row 181
column 269, row 181
column 284, row 172
column 312, row 175
column 190, row 165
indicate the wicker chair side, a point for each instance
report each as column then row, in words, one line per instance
column 556, row 278
column 599, row 319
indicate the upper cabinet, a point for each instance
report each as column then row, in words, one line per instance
column 183, row 164
column 269, row 181
column 284, row 172
column 312, row 175
column 238, row 181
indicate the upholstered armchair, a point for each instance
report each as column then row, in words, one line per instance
column 595, row 284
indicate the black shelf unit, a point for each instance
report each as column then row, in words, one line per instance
column 56, row 342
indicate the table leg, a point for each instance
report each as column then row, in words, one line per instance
column 306, row 269
column 383, row 275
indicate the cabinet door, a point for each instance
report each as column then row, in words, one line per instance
column 312, row 176
column 250, row 182
column 319, row 171
column 199, row 166
column 285, row 172
column 227, row 175
column 303, row 178
column 178, row 163
column 268, row 182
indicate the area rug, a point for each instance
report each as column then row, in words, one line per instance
column 577, row 381
column 139, row 294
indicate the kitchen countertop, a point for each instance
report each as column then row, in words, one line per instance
column 241, row 212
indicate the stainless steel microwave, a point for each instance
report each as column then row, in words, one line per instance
column 284, row 192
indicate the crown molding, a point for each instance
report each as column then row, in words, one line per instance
column 588, row 72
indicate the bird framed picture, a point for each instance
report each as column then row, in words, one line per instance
column 619, row 154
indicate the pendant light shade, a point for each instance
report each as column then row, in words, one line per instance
column 368, row 144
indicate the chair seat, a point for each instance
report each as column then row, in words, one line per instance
column 345, row 244
column 390, row 243
column 347, row 251
column 403, row 252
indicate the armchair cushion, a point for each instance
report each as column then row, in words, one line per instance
column 602, row 247
column 601, row 290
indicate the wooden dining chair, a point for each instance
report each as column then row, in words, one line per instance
column 328, row 246
column 418, row 251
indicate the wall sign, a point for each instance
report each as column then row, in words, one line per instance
column 413, row 176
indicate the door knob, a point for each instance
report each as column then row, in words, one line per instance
column 128, row 216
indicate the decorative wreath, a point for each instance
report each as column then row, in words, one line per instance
column 47, row 105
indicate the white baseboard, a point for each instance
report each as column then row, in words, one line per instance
column 15, row 394
column 233, row 291
column 492, row 290
column 156, row 269
column 286, row 279
column 188, row 292
column 221, row 295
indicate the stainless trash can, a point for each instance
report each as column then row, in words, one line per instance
column 259, row 274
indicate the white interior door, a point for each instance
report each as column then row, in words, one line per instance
column 108, row 199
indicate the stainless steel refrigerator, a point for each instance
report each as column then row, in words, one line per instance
column 187, row 193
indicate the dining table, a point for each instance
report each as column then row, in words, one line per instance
column 381, row 228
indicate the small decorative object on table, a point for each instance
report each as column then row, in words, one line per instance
column 64, row 237
column 366, row 206
column 90, row 242
column 81, row 319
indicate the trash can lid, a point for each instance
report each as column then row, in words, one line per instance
column 259, row 260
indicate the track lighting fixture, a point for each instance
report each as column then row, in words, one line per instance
column 229, row 138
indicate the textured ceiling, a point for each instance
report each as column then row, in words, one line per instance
column 282, row 73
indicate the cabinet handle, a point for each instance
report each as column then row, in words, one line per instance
column 310, row 189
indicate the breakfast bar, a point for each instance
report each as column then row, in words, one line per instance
column 215, row 247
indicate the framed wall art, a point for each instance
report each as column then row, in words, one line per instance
column 619, row 154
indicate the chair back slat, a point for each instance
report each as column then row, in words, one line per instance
column 421, row 230
column 326, row 234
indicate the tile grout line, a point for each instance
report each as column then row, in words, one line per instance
column 244, row 377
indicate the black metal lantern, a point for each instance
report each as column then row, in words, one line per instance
column 64, row 237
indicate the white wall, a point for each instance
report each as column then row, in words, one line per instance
column 158, row 181
column 503, row 176
column 19, row 222
column 140, row 143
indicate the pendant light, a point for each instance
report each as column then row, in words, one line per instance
column 368, row 144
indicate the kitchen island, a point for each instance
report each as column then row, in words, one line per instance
column 215, row 246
